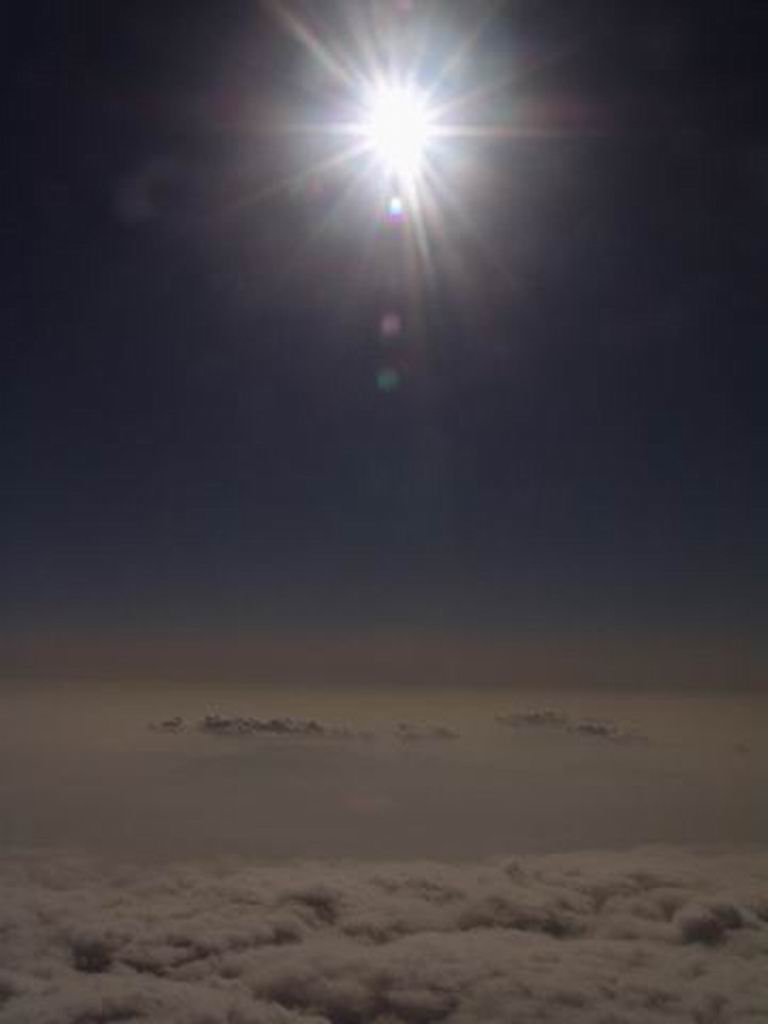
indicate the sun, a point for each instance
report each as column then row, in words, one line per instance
column 397, row 127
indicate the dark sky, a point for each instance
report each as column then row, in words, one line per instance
column 193, row 428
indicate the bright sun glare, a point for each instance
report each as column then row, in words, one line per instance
column 397, row 128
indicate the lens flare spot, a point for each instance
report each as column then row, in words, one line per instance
column 391, row 326
column 387, row 380
column 395, row 208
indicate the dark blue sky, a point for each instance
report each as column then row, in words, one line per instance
column 193, row 431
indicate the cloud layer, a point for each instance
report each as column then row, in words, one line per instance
column 542, row 719
column 651, row 935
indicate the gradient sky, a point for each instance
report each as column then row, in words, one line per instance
column 194, row 437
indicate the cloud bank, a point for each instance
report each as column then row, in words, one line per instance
column 551, row 720
column 652, row 935
column 546, row 720
column 238, row 725
column 286, row 727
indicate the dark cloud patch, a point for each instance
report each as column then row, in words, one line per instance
column 551, row 720
column 221, row 725
column 409, row 733
column 645, row 936
column 538, row 718
column 245, row 725
column 607, row 730
column 169, row 725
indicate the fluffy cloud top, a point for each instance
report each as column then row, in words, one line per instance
column 632, row 938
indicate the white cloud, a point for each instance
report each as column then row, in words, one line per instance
column 652, row 935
